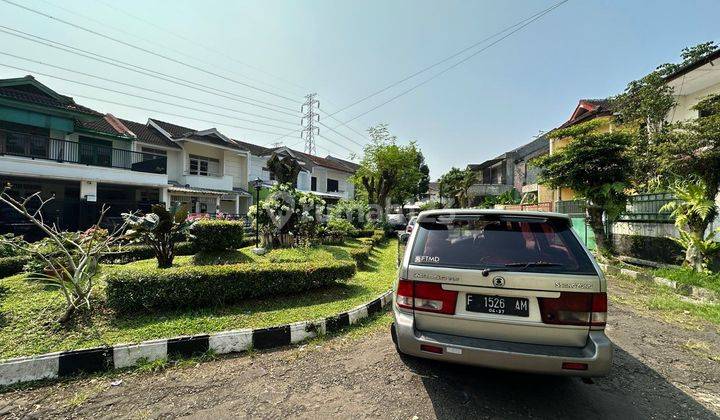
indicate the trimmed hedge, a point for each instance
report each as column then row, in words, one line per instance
column 132, row 253
column 218, row 235
column 139, row 289
column 378, row 237
column 9, row 266
column 364, row 233
column 361, row 255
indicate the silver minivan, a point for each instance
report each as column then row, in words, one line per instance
column 502, row 289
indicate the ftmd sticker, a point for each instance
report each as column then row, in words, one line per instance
column 426, row 259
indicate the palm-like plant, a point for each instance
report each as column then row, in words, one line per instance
column 692, row 211
column 160, row 229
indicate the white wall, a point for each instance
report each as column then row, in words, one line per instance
column 236, row 166
column 682, row 110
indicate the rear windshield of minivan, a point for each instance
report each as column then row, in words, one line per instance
column 535, row 244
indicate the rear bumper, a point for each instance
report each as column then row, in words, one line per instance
column 597, row 353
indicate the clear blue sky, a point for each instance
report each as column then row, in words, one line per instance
column 344, row 50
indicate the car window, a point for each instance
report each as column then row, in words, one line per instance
column 495, row 241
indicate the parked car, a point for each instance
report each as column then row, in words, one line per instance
column 397, row 221
column 411, row 224
column 502, row 289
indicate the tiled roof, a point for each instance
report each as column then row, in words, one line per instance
column 66, row 103
column 178, row 131
column 175, row 131
column 591, row 108
column 326, row 163
column 253, row 148
column 352, row 166
column 148, row 134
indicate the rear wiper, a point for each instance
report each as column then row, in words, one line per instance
column 522, row 265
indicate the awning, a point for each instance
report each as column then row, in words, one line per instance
column 200, row 191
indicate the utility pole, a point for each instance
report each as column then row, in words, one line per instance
column 308, row 120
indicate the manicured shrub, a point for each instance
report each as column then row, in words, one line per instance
column 364, row 233
column 130, row 253
column 342, row 225
column 218, row 235
column 9, row 266
column 353, row 211
column 378, row 237
column 139, row 288
column 361, row 255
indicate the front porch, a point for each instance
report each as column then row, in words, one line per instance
column 212, row 202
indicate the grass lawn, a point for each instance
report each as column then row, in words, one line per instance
column 28, row 310
column 687, row 276
column 664, row 302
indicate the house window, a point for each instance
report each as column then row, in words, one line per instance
column 313, row 183
column 333, row 185
column 94, row 151
column 205, row 166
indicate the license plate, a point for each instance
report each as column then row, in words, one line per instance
column 500, row 305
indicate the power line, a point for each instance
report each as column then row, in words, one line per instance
column 364, row 136
column 145, row 71
column 172, row 114
column 130, row 85
column 203, row 46
column 175, row 50
column 521, row 23
column 310, row 117
column 339, row 133
column 147, row 51
column 141, row 97
column 546, row 11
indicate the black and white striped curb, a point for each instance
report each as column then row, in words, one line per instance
column 68, row 363
column 680, row 288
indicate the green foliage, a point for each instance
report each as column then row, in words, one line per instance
column 160, row 230
column 430, row 205
column 693, row 209
column 378, row 237
column 220, row 257
column 132, row 289
column 456, row 184
column 11, row 245
column 217, row 235
column 361, row 255
column 385, row 167
column 343, row 226
column 9, row 266
column 354, row 211
column 689, row 55
column 129, row 253
column 288, row 211
column 597, row 167
column 284, row 168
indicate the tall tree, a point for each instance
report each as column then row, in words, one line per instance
column 594, row 165
column 386, row 166
column 456, row 184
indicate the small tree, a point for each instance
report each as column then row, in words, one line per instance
column 387, row 167
column 285, row 169
column 160, row 229
column 456, row 184
column 594, row 165
column 74, row 267
column 692, row 211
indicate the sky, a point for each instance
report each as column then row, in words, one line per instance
column 269, row 54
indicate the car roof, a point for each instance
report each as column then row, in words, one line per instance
column 423, row 216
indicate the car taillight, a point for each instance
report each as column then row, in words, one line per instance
column 425, row 296
column 573, row 308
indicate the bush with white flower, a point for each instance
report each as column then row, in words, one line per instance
column 288, row 211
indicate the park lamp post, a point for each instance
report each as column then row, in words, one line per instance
column 258, row 183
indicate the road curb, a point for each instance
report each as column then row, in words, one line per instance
column 98, row 359
column 680, row 288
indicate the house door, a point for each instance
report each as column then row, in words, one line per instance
column 95, row 151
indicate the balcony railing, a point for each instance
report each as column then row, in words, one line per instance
column 40, row 147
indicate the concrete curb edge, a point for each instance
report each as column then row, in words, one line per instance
column 69, row 363
column 682, row 289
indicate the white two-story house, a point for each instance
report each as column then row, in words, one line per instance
column 82, row 158
column 328, row 177
column 208, row 172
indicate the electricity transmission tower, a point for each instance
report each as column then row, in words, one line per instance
column 308, row 120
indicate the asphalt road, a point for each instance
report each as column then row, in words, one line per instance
column 654, row 376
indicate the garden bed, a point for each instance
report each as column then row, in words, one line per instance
column 27, row 309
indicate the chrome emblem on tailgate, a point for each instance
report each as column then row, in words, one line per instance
column 498, row 281
column 435, row 277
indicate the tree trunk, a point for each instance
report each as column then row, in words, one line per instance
column 694, row 257
column 595, row 214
